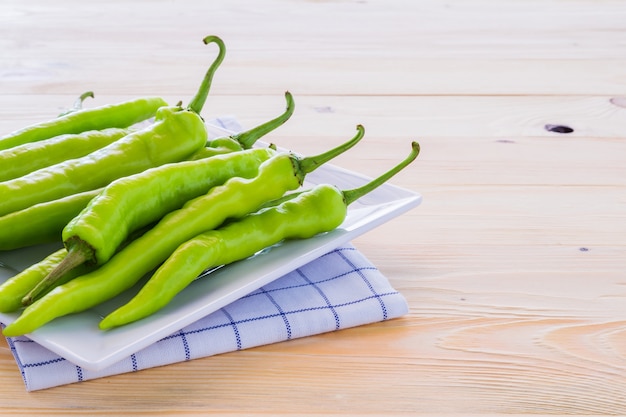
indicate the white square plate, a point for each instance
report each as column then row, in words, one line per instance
column 78, row 339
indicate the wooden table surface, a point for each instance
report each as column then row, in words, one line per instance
column 513, row 266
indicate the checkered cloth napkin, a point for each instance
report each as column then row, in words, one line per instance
column 340, row 289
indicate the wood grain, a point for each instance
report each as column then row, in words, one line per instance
column 513, row 266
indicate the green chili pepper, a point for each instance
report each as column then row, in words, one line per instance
column 305, row 215
column 78, row 104
column 175, row 135
column 23, row 159
column 15, row 288
column 130, row 203
column 41, row 223
column 235, row 198
column 120, row 115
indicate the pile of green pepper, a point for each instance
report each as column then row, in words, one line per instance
column 162, row 200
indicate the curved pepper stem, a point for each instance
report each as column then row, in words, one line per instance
column 310, row 163
column 354, row 194
column 249, row 137
column 78, row 104
column 196, row 104
column 79, row 101
column 67, row 264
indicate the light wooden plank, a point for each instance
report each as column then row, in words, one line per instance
column 327, row 75
column 506, row 47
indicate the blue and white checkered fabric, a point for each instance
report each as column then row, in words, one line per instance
column 339, row 290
